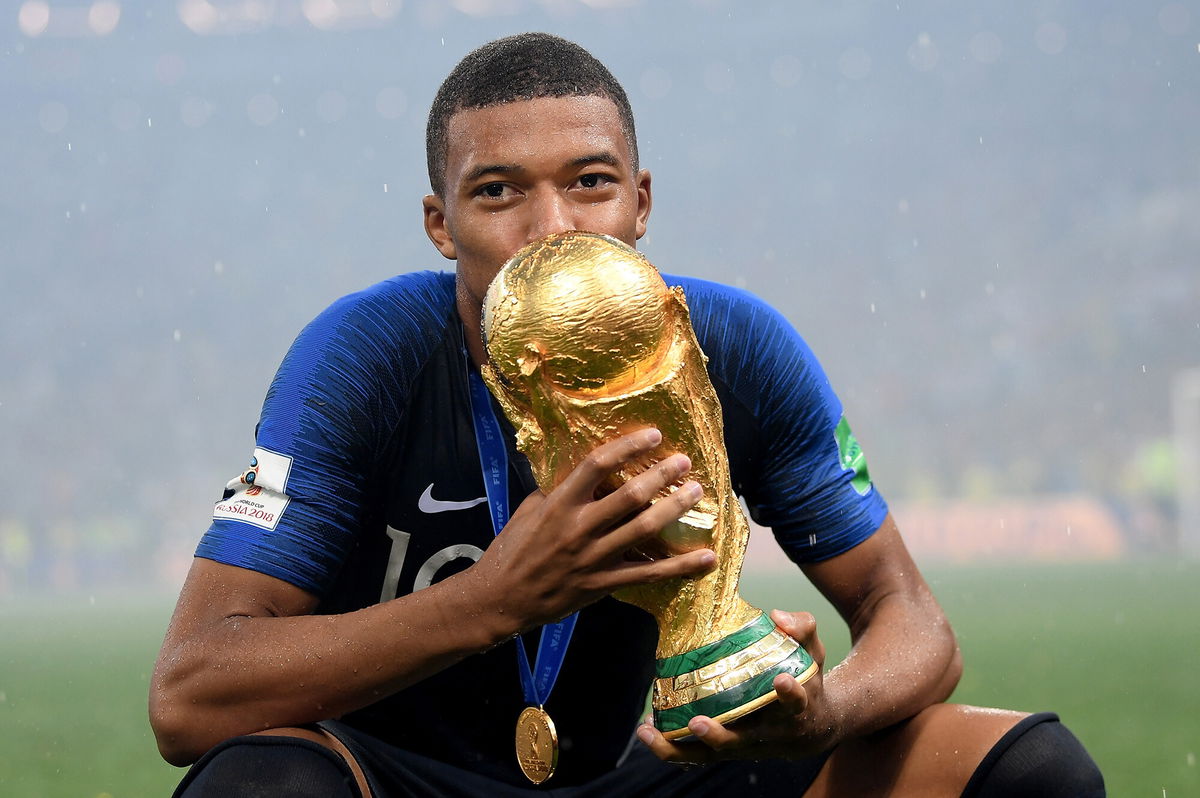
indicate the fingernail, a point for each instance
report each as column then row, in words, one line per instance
column 692, row 490
column 645, row 735
column 708, row 559
column 653, row 436
column 698, row 728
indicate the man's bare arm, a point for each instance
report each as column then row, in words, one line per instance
column 904, row 658
column 243, row 654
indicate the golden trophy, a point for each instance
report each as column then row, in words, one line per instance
column 586, row 343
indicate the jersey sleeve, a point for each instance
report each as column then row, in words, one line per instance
column 809, row 481
column 296, row 509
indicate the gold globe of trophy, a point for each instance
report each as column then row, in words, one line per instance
column 587, row 343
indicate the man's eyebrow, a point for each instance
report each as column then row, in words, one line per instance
column 493, row 168
column 606, row 158
column 599, row 157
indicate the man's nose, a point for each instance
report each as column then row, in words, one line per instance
column 551, row 214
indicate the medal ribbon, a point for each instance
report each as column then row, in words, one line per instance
column 538, row 681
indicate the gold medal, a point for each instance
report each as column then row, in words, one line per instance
column 537, row 744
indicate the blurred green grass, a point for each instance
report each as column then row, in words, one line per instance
column 1113, row 648
column 74, row 675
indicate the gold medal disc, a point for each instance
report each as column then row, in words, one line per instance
column 537, row 744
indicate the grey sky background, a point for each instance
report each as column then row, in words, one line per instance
column 983, row 217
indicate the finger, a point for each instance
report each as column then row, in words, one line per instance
column 646, row 523
column 802, row 626
column 600, row 463
column 713, row 734
column 798, row 625
column 683, row 566
column 792, row 695
column 668, row 751
column 639, row 491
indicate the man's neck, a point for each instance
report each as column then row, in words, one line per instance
column 472, row 317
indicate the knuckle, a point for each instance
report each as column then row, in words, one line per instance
column 595, row 460
column 638, row 492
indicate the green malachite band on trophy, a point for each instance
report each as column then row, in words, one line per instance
column 798, row 664
column 706, row 655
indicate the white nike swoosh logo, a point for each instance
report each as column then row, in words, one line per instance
column 428, row 504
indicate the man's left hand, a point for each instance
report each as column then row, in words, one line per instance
column 800, row 723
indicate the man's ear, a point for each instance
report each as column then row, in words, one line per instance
column 436, row 227
column 645, row 201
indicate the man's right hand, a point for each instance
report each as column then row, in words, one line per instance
column 240, row 641
column 564, row 550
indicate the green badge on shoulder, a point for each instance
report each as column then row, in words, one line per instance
column 852, row 457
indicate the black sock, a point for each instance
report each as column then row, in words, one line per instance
column 269, row 766
column 1037, row 758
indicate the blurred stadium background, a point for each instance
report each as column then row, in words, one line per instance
column 983, row 218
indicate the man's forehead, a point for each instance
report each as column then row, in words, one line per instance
column 536, row 126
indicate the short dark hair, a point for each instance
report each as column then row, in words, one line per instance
column 521, row 67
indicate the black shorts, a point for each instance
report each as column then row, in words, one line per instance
column 392, row 772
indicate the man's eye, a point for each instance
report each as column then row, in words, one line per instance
column 592, row 181
column 492, row 190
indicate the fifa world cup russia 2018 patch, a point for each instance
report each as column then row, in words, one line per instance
column 852, row 457
column 259, row 495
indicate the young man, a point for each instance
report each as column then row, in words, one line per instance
column 351, row 623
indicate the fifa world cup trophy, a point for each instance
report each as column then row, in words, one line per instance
column 587, row 343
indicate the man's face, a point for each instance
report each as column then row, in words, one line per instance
column 523, row 170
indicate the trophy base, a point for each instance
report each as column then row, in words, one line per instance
column 726, row 679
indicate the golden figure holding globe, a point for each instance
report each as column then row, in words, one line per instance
column 586, row 342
